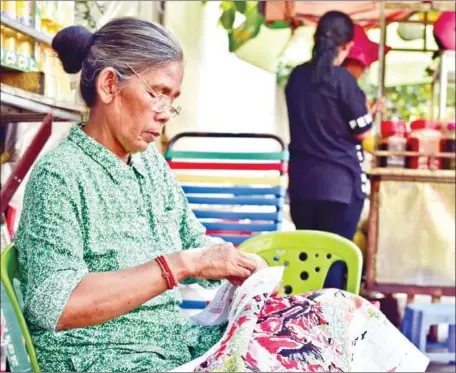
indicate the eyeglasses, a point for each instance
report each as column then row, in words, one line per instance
column 160, row 102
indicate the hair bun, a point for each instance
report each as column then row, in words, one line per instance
column 72, row 45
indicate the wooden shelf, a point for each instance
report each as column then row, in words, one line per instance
column 386, row 153
column 404, row 174
column 423, row 6
column 15, row 61
column 27, row 30
column 34, row 103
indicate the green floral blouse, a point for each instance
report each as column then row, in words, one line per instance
column 87, row 211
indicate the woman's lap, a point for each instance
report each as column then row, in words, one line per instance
column 328, row 330
column 302, row 333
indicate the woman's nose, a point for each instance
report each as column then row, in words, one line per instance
column 163, row 117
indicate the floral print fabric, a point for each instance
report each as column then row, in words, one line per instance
column 322, row 331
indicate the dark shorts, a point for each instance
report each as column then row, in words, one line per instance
column 329, row 216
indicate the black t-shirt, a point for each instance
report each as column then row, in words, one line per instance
column 326, row 161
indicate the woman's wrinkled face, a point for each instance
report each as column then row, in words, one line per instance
column 131, row 116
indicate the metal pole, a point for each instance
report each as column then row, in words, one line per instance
column 381, row 63
column 25, row 162
column 443, row 85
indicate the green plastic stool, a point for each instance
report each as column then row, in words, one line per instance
column 307, row 256
column 10, row 271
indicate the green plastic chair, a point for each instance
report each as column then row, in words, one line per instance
column 9, row 272
column 307, row 256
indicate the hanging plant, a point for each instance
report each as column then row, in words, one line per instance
column 85, row 12
column 247, row 29
column 251, row 14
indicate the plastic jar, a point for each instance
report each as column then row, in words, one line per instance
column 24, row 12
column 393, row 138
column 9, row 39
column 448, row 145
column 24, row 45
column 425, row 137
column 9, row 9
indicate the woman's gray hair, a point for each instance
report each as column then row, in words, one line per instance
column 121, row 42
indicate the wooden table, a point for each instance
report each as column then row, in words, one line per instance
column 378, row 175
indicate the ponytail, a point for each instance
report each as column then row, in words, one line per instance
column 323, row 55
column 334, row 30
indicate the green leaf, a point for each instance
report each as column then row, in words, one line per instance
column 241, row 6
column 203, row 2
column 246, row 31
column 252, row 5
column 226, row 5
column 227, row 18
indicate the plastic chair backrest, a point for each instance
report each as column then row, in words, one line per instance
column 235, row 195
column 9, row 272
column 307, row 256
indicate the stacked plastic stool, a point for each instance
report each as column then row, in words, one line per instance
column 418, row 319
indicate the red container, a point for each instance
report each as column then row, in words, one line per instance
column 448, row 145
column 424, row 138
column 392, row 127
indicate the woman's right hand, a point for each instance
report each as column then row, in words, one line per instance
column 222, row 261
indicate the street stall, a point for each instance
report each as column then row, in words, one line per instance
column 411, row 226
column 415, row 195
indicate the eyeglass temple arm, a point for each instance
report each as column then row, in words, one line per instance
column 142, row 80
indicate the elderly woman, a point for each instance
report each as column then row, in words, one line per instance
column 106, row 233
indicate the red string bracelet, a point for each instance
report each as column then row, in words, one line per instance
column 167, row 273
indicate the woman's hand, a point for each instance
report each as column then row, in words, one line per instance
column 260, row 263
column 378, row 106
column 222, row 261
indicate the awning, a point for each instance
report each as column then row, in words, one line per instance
column 366, row 13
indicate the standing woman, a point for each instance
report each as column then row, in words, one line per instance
column 362, row 55
column 328, row 121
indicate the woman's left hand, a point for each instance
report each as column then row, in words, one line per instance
column 378, row 106
column 261, row 263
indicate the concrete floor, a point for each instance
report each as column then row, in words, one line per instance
column 441, row 368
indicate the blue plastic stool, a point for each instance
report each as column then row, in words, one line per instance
column 418, row 319
column 188, row 304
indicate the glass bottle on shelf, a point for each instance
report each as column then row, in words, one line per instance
column 393, row 138
column 24, row 45
column 425, row 138
column 49, row 78
column 37, row 9
column 448, row 145
column 48, row 9
column 24, row 12
column 9, row 9
column 2, row 36
column 37, row 55
column 9, row 39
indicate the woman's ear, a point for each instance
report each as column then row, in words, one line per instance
column 347, row 46
column 107, row 85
